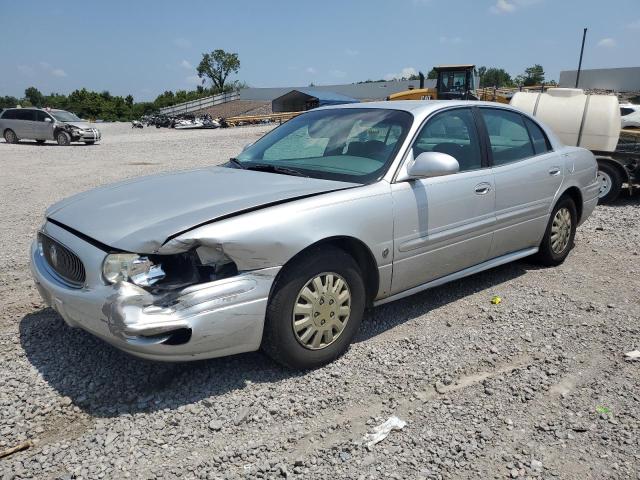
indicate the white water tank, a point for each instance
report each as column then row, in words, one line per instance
column 588, row 121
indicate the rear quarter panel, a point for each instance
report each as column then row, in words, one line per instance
column 580, row 170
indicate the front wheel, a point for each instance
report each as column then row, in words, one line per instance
column 561, row 230
column 610, row 182
column 63, row 139
column 315, row 309
column 10, row 136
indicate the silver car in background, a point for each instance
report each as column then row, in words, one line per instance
column 286, row 245
column 46, row 124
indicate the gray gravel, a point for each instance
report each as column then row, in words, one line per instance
column 536, row 386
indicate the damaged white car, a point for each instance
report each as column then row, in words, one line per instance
column 286, row 245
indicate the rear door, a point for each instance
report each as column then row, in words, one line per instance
column 444, row 224
column 527, row 172
column 24, row 122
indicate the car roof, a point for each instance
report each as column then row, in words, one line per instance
column 417, row 106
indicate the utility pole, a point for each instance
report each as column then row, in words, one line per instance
column 584, row 37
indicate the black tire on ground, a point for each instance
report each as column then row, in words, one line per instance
column 63, row 139
column 612, row 175
column 279, row 340
column 546, row 255
column 89, row 142
column 10, row 136
column 40, row 142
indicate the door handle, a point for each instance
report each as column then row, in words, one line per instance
column 483, row 189
column 554, row 171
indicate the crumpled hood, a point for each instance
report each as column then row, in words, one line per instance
column 138, row 215
column 83, row 125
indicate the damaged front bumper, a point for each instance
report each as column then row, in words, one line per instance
column 207, row 320
column 85, row 135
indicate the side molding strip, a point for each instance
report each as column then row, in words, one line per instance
column 509, row 257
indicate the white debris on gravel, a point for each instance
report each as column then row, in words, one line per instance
column 380, row 432
column 522, row 383
column 633, row 355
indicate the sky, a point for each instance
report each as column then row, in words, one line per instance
column 145, row 47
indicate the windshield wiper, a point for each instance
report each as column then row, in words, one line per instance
column 275, row 169
column 237, row 163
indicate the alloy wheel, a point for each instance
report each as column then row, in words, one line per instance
column 321, row 311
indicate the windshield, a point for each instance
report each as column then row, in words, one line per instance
column 351, row 144
column 63, row 116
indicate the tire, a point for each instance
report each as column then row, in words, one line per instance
column 90, row 142
column 303, row 350
column 610, row 183
column 10, row 136
column 63, row 138
column 551, row 254
column 40, row 142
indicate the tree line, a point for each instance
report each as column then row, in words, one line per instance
column 215, row 67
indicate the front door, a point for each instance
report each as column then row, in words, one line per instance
column 444, row 224
column 43, row 128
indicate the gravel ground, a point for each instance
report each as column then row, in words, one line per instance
column 536, row 386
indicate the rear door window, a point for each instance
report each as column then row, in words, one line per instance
column 24, row 114
column 540, row 142
column 508, row 136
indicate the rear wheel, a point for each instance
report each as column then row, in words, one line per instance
column 63, row 139
column 610, row 182
column 561, row 230
column 315, row 309
column 10, row 136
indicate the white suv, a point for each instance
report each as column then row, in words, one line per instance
column 41, row 125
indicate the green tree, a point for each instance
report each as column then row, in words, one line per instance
column 34, row 96
column 217, row 66
column 129, row 100
column 433, row 74
column 8, row 102
column 495, row 77
column 533, row 75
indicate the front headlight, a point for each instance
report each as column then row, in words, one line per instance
column 123, row 267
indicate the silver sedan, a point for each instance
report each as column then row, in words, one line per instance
column 285, row 246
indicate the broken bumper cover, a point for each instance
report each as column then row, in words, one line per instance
column 207, row 320
column 86, row 135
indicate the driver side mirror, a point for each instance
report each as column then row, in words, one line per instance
column 431, row 164
column 48, row 119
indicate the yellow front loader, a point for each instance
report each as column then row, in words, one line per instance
column 453, row 82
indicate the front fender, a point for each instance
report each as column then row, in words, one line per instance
column 271, row 236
